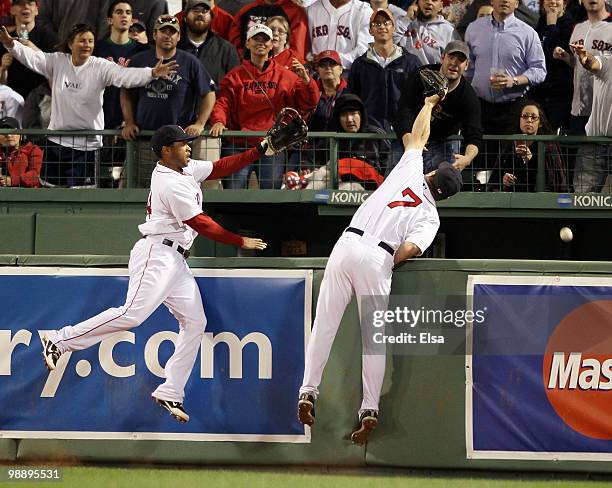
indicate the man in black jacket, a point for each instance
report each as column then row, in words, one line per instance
column 459, row 111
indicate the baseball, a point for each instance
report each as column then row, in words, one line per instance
column 566, row 234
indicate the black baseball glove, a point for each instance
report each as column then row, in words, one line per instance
column 434, row 83
column 288, row 129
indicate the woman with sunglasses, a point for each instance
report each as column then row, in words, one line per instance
column 78, row 80
column 518, row 161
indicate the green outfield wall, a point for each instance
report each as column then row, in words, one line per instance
column 422, row 422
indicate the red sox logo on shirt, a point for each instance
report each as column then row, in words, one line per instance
column 323, row 31
column 121, row 61
column 426, row 39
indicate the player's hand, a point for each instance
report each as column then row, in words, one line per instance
column 509, row 179
column 164, row 70
column 253, row 243
column 217, row 129
column 461, row 162
column 130, row 131
column 5, row 181
column 433, row 100
column 7, row 60
column 194, row 130
column 299, row 69
column 6, row 39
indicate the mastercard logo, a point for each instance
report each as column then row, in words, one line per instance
column 577, row 369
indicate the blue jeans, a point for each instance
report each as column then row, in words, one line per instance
column 592, row 167
column 269, row 171
column 65, row 166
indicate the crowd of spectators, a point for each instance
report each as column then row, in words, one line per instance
column 346, row 65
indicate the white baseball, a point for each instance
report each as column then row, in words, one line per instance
column 566, row 234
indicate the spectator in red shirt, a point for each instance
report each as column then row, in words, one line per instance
column 19, row 165
column 250, row 97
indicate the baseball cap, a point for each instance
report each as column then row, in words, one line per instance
column 194, row 3
column 138, row 24
column 168, row 135
column 446, row 181
column 167, row 21
column 9, row 123
column 347, row 103
column 382, row 11
column 457, row 47
column 333, row 55
column 259, row 29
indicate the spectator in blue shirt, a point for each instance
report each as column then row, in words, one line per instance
column 506, row 58
column 186, row 99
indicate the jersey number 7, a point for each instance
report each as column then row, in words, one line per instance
column 415, row 202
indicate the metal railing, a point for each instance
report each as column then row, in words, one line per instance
column 326, row 160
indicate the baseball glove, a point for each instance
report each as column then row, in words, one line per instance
column 433, row 83
column 288, row 129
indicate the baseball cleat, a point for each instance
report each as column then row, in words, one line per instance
column 367, row 423
column 176, row 409
column 306, row 413
column 51, row 353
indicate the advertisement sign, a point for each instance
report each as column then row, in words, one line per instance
column 539, row 368
column 243, row 387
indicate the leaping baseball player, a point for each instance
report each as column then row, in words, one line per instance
column 397, row 222
column 157, row 267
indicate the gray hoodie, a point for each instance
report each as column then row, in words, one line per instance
column 425, row 39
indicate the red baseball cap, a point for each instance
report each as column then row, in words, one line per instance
column 333, row 55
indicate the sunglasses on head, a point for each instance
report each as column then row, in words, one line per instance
column 167, row 20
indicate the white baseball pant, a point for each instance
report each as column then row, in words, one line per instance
column 158, row 274
column 357, row 264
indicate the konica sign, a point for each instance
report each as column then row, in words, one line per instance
column 243, row 386
column 539, row 369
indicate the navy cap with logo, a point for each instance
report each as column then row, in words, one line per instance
column 446, row 181
column 168, row 135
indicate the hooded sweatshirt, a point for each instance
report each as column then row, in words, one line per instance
column 249, row 99
column 426, row 39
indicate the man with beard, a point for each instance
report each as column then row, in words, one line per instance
column 186, row 99
column 427, row 35
column 216, row 54
column 459, row 110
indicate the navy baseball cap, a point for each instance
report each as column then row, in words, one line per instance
column 9, row 123
column 446, row 181
column 168, row 135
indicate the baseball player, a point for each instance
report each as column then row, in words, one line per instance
column 398, row 221
column 158, row 270
column 340, row 25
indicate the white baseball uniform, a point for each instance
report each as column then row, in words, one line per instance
column 401, row 209
column 345, row 30
column 158, row 274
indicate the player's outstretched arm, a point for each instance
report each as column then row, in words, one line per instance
column 207, row 227
column 230, row 164
column 419, row 135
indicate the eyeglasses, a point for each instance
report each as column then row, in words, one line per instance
column 386, row 23
column 167, row 20
column 530, row 117
column 280, row 32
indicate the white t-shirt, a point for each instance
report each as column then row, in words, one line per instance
column 402, row 208
column 600, row 121
column 345, row 30
column 78, row 91
column 174, row 198
column 597, row 39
